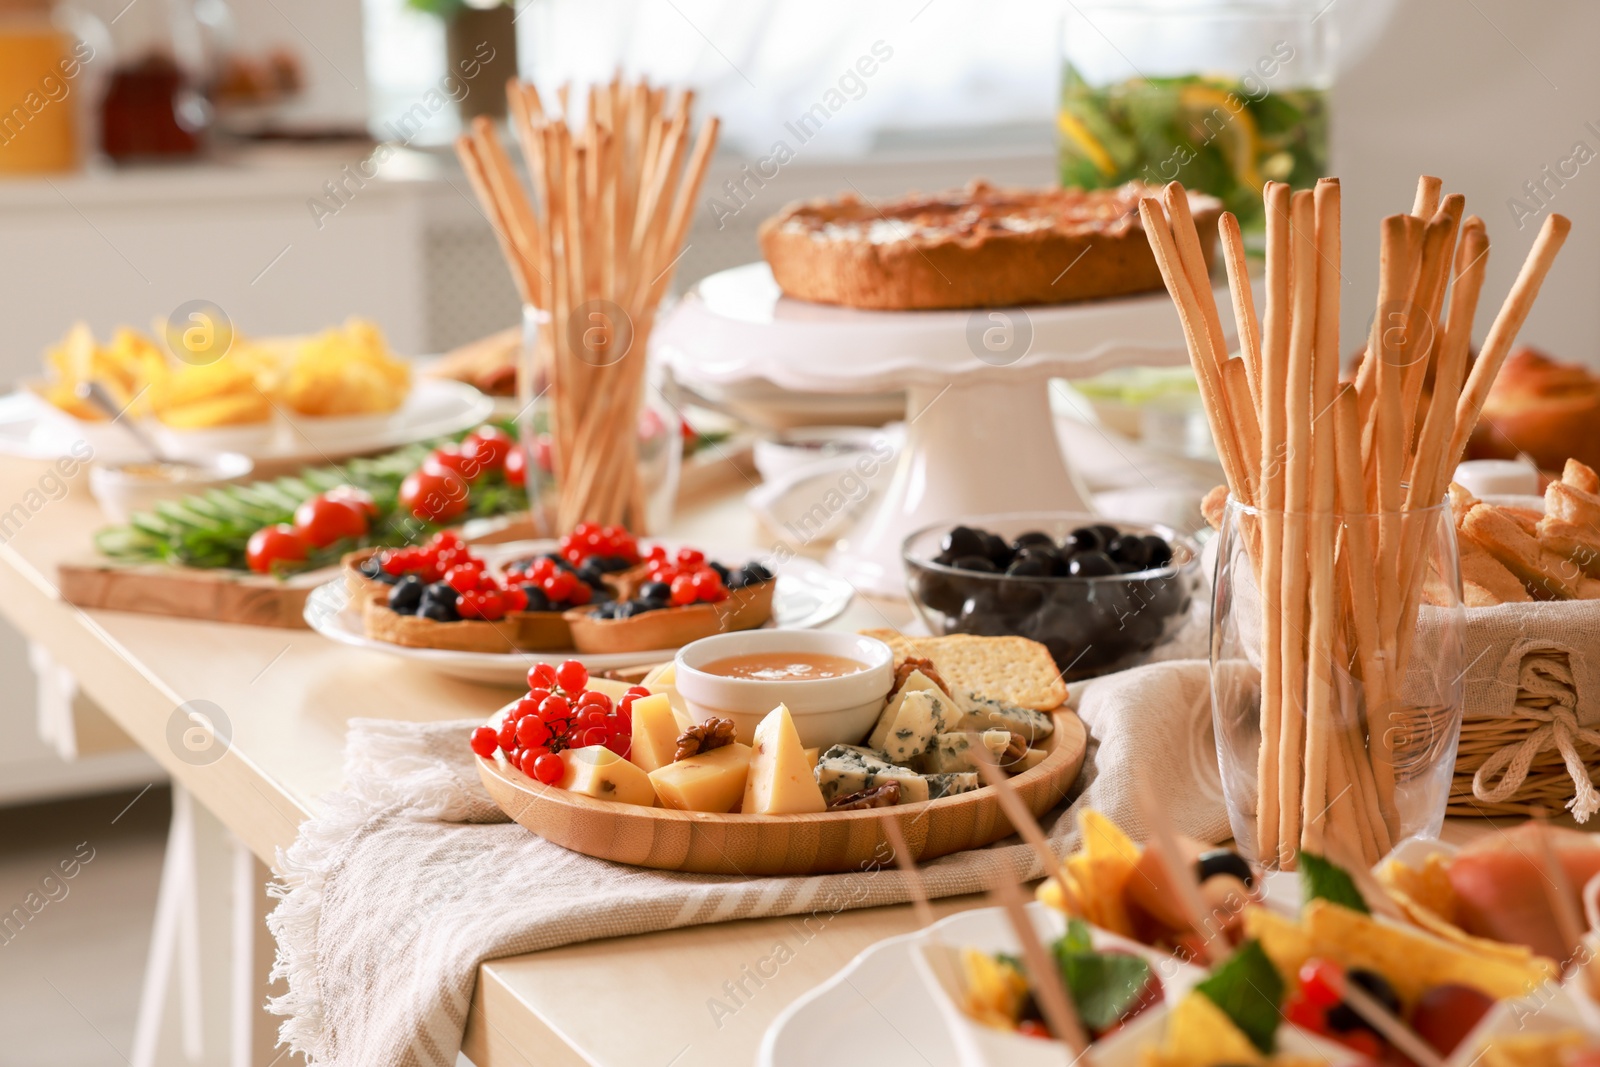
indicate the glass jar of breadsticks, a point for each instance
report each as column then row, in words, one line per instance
column 1337, row 677
column 613, row 173
column 1338, row 626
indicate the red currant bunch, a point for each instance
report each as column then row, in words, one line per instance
column 558, row 713
column 591, row 539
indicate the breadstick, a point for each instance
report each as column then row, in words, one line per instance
column 1433, row 268
column 1397, row 260
column 1244, row 305
column 1513, row 313
column 1297, row 501
column 1274, row 371
column 1427, row 199
column 1192, row 258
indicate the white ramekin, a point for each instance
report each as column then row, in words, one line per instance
column 827, row 711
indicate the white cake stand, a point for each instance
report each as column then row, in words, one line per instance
column 979, row 434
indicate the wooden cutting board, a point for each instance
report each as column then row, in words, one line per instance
column 192, row 593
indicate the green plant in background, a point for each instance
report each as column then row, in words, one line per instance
column 448, row 9
column 1210, row 132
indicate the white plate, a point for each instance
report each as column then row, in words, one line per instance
column 807, row 595
column 32, row 429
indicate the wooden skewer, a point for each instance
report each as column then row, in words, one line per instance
column 1180, row 875
column 1022, row 820
column 1244, row 307
column 1044, row 977
column 908, row 868
column 1393, row 1030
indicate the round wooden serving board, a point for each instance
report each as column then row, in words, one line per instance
column 779, row 844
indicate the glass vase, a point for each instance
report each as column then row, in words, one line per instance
column 1337, row 669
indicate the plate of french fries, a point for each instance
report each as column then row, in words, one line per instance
column 340, row 391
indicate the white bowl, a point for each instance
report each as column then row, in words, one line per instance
column 827, row 711
column 123, row 488
column 198, row 445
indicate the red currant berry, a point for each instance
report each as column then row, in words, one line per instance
column 549, row 768
column 526, row 761
column 581, row 594
column 534, row 698
column 463, row 577
column 594, row 735
column 683, row 593
column 515, row 599
column 616, row 725
column 554, row 707
column 559, row 586
column 637, row 691
column 484, row 741
column 690, row 557
column 542, row 676
column 508, row 734
column 591, row 716
column 620, row 744
column 594, row 696
column 532, row 732
column 572, row 676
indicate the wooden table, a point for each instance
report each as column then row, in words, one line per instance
column 287, row 696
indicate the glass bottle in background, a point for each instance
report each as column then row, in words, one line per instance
column 44, row 54
column 154, row 107
column 1220, row 96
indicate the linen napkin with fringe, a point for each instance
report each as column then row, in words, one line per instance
column 410, row 877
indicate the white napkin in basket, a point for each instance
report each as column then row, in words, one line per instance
column 411, row 877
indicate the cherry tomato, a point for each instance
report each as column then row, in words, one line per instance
column 487, row 446
column 322, row 520
column 1321, row 982
column 542, row 676
column 275, row 544
column 451, row 458
column 434, row 495
column 516, row 466
column 484, row 741
column 572, row 676
column 359, row 497
column 1446, row 1013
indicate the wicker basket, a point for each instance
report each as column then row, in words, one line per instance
column 1536, row 757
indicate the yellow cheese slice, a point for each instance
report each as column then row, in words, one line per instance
column 655, row 732
column 780, row 780
column 710, row 781
column 598, row 772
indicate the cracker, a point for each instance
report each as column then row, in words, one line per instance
column 1010, row 669
column 1484, row 572
column 1545, row 574
column 1581, row 477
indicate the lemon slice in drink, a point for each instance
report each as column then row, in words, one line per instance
column 1073, row 129
column 1234, row 131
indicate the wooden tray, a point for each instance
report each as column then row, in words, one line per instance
column 779, row 844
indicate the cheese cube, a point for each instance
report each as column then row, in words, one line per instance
column 846, row 769
column 710, row 781
column 655, row 732
column 780, row 781
column 915, row 682
column 951, row 752
column 985, row 714
column 1030, row 759
column 911, row 722
column 948, row 785
column 598, row 772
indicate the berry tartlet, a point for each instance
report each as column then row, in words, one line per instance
column 668, row 601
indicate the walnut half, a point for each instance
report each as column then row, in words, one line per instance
column 904, row 669
column 705, row 736
column 1016, row 748
column 886, row 795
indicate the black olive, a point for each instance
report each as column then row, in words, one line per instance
column 1129, row 548
column 1032, row 537
column 1342, row 1018
column 1029, row 565
column 1090, row 565
column 1083, row 539
column 962, row 541
column 406, row 596
column 981, row 564
column 1224, row 861
column 1107, row 533
column 995, row 548
column 1055, row 563
column 1160, row 551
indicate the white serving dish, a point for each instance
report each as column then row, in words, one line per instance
column 120, row 491
column 826, row 711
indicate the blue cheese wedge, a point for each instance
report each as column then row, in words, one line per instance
column 985, row 714
column 952, row 752
column 846, row 769
column 916, row 682
column 948, row 785
column 911, row 722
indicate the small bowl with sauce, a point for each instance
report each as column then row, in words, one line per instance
column 125, row 488
column 833, row 682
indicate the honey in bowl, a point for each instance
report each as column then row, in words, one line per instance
column 784, row 666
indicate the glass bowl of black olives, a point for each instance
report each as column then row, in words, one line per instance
column 1100, row 595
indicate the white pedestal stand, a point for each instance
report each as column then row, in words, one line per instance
column 979, row 434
